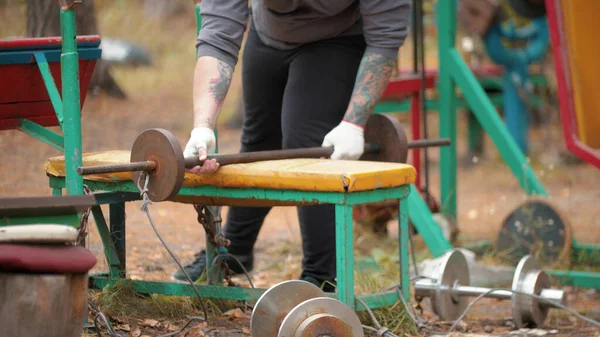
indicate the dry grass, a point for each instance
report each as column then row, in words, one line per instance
column 122, row 301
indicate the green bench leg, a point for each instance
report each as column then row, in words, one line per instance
column 112, row 257
column 344, row 254
column 117, row 235
column 403, row 248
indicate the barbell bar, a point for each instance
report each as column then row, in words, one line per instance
column 248, row 157
column 157, row 153
column 449, row 291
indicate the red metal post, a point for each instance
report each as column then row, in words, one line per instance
column 415, row 123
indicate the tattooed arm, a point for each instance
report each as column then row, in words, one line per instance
column 218, row 45
column 384, row 28
column 212, row 78
column 373, row 76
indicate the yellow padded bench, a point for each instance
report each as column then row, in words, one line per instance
column 319, row 175
column 286, row 182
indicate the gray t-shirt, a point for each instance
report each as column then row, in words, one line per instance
column 287, row 24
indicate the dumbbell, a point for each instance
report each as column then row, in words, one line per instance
column 158, row 153
column 450, row 290
column 298, row 308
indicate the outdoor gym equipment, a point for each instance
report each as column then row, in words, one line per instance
column 158, row 153
column 301, row 309
column 517, row 84
column 450, row 289
column 574, row 49
column 289, row 182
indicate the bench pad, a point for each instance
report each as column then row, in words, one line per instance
column 322, row 175
column 58, row 259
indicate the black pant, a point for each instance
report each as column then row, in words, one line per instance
column 292, row 99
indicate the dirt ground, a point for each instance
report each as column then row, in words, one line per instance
column 161, row 97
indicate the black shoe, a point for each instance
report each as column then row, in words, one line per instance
column 198, row 267
column 326, row 286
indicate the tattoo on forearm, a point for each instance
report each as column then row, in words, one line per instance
column 371, row 80
column 220, row 84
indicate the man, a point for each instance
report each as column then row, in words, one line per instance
column 312, row 73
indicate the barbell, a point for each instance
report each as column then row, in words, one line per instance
column 158, row 153
column 449, row 291
column 298, row 308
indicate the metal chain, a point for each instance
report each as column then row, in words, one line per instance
column 83, row 223
column 207, row 216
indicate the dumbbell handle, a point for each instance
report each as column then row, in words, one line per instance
column 427, row 287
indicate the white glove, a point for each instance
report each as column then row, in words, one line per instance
column 348, row 141
column 202, row 142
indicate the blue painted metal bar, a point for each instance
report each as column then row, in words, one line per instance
column 43, row 134
column 112, row 257
column 27, row 57
column 494, row 126
column 340, row 198
column 344, row 243
column 50, row 86
column 422, row 219
column 403, row 246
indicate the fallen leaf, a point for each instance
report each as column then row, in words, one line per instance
column 136, row 333
column 234, row 313
column 123, row 327
column 149, row 322
column 245, row 330
column 170, row 327
column 195, row 331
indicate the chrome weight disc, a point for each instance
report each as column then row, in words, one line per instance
column 453, row 271
column 530, row 279
column 322, row 316
column 275, row 303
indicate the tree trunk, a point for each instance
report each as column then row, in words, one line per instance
column 43, row 19
column 35, row 305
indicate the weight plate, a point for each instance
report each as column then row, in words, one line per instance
column 529, row 278
column 275, row 303
column 322, row 316
column 385, row 131
column 535, row 228
column 161, row 146
column 453, row 271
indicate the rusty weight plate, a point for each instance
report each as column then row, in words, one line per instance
column 535, row 227
column 161, row 146
column 275, row 304
column 385, row 131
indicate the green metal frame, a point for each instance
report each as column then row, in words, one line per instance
column 114, row 248
column 455, row 74
column 116, row 194
column 67, row 110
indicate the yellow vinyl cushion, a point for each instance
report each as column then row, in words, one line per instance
column 323, row 175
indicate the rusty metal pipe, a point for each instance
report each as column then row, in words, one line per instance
column 422, row 143
column 115, row 168
column 249, row 157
